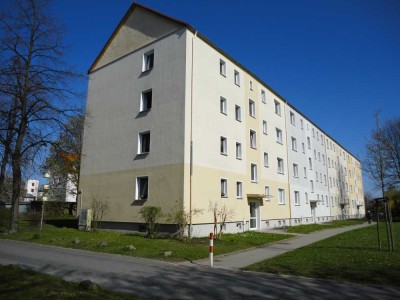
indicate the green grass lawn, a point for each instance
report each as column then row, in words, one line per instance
column 351, row 256
column 16, row 283
column 317, row 227
column 190, row 249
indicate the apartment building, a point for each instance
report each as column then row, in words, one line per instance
column 178, row 123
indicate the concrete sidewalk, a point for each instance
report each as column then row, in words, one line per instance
column 245, row 258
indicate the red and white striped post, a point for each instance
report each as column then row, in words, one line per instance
column 211, row 255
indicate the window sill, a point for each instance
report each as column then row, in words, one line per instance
column 252, row 116
column 238, row 158
column 224, row 113
column 239, row 197
column 224, row 154
column 281, row 173
column 253, row 181
column 255, row 148
column 146, row 71
column 279, row 142
column 222, row 74
column 282, row 203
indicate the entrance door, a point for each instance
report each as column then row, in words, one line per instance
column 313, row 205
column 253, row 215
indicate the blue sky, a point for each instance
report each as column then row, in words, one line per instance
column 337, row 61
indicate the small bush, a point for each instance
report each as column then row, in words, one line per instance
column 33, row 218
column 151, row 215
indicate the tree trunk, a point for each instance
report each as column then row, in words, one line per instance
column 16, row 191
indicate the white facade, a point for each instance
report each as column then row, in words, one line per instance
column 31, row 189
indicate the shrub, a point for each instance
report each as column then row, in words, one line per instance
column 150, row 215
column 4, row 216
column 100, row 207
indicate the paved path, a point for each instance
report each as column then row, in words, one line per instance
column 161, row 280
column 245, row 258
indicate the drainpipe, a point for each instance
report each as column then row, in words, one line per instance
column 287, row 165
column 191, row 137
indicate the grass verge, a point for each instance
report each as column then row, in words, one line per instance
column 191, row 249
column 352, row 256
column 16, row 283
column 317, row 227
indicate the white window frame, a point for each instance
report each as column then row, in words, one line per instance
column 141, row 141
column 238, row 150
column 224, row 188
column 252, row 108
column 139, row 194
column 263, row 97
column 296, row 170
column 223, row 105
column 253, row 172
column 281, row 196
column 281, row 168
column 294, row 144
column 253, row 139
column 296, row 198
column 144, row 100
column 224, row 145
column 266, row 162
column 292, row 118
column 222, row 67
column 238, row 113
column 279, row 136
column 265, row 127
column 236, row 76
column 148, row 61
column 267, row 193
column 278, row 108
column 239, row 190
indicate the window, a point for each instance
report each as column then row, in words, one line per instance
column 266, row 164
column 292, row 119
column 144, row 142
column 237, row 78
column 277, row 108
column 313, row 133
column 278, row 136
column 316, row 176
column 251, row 85
column 305, row 172
column 306, row 196
column 308, row 142
column 312, row 186
column 222, row 67
column 323, row 159
column 253, row 140
column 315, row 154
column 310, row 163
column 148, row 61
column 224, row 146
column 146, row 100
column 265, row 127
column 280, row 165
column 224, row 187
column 142, row 188
column 32, row 190
column 222, row 105
column 253, row 172
column 295, row 170
column 238, row 150
column 267, row 195
column 301, row 124
column 252, row 108
column 238, row 113
column 319, row 156
column 294, row 144
column 296, row 198
column 263, row 97
column 303, row 147
column 239, row 190
column 325, row 179
column 281, row 196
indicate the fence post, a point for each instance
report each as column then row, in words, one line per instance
column 211, row 254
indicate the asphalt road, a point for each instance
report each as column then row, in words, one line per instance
column 160, row 280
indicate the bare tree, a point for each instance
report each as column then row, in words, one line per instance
column 221, row 214
column 34, row 84
column 376, row 163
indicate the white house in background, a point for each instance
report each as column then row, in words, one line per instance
column 31, row 190
column 176, row 122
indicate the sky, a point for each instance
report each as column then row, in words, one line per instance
column 337, row 61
